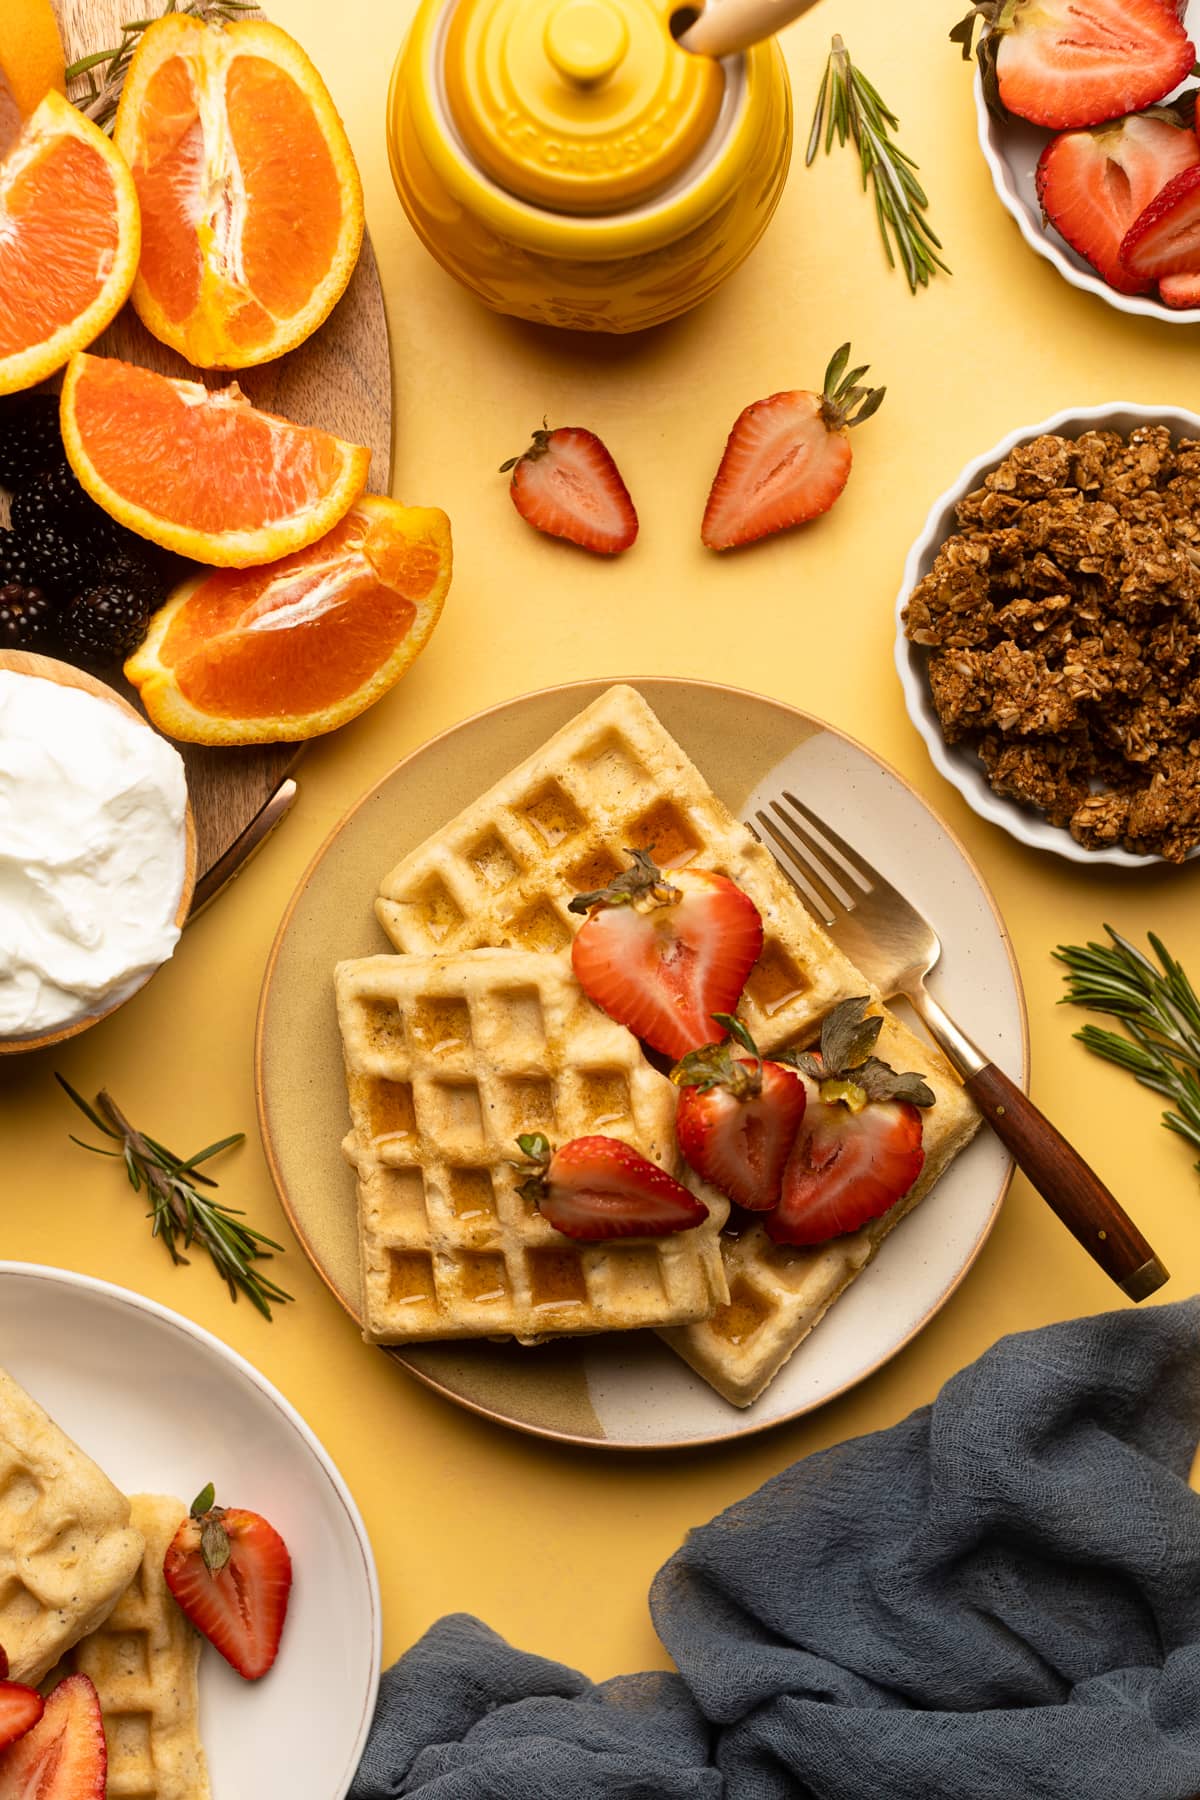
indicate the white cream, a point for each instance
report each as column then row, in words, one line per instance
column 93, row 851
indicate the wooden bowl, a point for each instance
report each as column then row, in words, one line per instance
column 46, row 668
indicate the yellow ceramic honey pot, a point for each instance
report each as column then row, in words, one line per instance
column 582, row 163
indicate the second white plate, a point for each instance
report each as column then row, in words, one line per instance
column 163, row 1408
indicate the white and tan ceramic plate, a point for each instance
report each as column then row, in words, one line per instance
column 164, row 1408
column 627, row 1391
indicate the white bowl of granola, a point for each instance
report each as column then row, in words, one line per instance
column 1048, row 634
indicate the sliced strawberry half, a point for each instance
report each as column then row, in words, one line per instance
column 64, row 1755
column 859, row 1146
column 1079, row 62
column 738, row 1117
column 1180, row 292
column 598, row 1187
column 1164, row 239
column 1093, row 184
column 787, row 458
column 664, row 953
column 231, row 1573
column 567, row 485
column 20, row 1708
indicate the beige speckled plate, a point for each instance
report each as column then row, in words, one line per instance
column 626, row 1390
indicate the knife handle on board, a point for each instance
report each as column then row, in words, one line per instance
column 1066, row 1183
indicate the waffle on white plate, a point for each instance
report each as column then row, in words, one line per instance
column 503, row 872
column 448, row 1060
column 67, row 1547
column 143, row 1662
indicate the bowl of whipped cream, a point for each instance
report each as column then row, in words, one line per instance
column 97, row 851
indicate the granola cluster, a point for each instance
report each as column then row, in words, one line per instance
column 1063, row 624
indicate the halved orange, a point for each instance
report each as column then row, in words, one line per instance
column 252, row 209
column 31, row 62
column 261, row 656
column 201, row 471
column 69, row 240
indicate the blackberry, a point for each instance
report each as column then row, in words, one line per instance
column 103, row 624
column 60, row 566
column 53, row 497
column 26, row 617
column 30, row 438
column 16, row 563
column 139, row 574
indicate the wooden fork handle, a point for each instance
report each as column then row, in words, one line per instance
column 1074, row 1191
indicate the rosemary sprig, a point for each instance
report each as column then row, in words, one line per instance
column 103, row 72
column 182, row 1214
column 1160, row 1012
column 850, row 107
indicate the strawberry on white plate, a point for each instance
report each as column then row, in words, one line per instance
column 568, row 486
column 1065, row 63
column 787, row 458
column 20, row 1707
column 1164, row 239
column 859, row 1146
column 738, row 1116
column 663, row 952
column 230, row 1571
column 598, row 1187
column 64, row 1755
column 1094, row 183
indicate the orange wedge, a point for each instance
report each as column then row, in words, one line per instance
column 260, row 656
column 31, row 62
column 200, row 471
column 252, row 209
column 68, row 241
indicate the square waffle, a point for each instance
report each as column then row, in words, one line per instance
column 448, row 1059
column 143, row 1662
column 67, row 1548
column 505, row 870
column 778, row 1292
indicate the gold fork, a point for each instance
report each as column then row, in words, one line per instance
column 895, row 947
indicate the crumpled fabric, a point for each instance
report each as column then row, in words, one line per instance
column 996, row 1599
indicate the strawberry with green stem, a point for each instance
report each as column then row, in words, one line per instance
column 231, row 1573
column 738, row 1116
column 598, row 1187
column 663, row 952
column 859, row 1146
column 788, row 457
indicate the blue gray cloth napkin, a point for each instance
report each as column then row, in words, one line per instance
column 997, row 1599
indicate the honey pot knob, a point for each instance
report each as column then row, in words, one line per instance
column 727, row 26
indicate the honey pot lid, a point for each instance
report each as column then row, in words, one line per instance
column 578, row 105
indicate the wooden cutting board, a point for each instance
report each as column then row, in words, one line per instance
column 341, row 380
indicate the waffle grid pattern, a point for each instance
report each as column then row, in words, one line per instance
column 612, row 779
column 778, row 1292
column 448, row 1059
column 143, row 1663
column 67, row 1550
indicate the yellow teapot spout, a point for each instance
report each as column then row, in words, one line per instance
column 724, row 27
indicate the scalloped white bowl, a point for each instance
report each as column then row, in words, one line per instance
column 958, row 762
column 1011, row 148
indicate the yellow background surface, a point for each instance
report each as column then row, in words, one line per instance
column 556, row 1547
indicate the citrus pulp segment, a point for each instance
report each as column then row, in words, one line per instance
column 69, row 236
column 305, row 644
column 201, row 471
column 251, row 201
column 31, row 62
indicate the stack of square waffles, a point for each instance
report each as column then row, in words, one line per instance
column 478, row 1031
